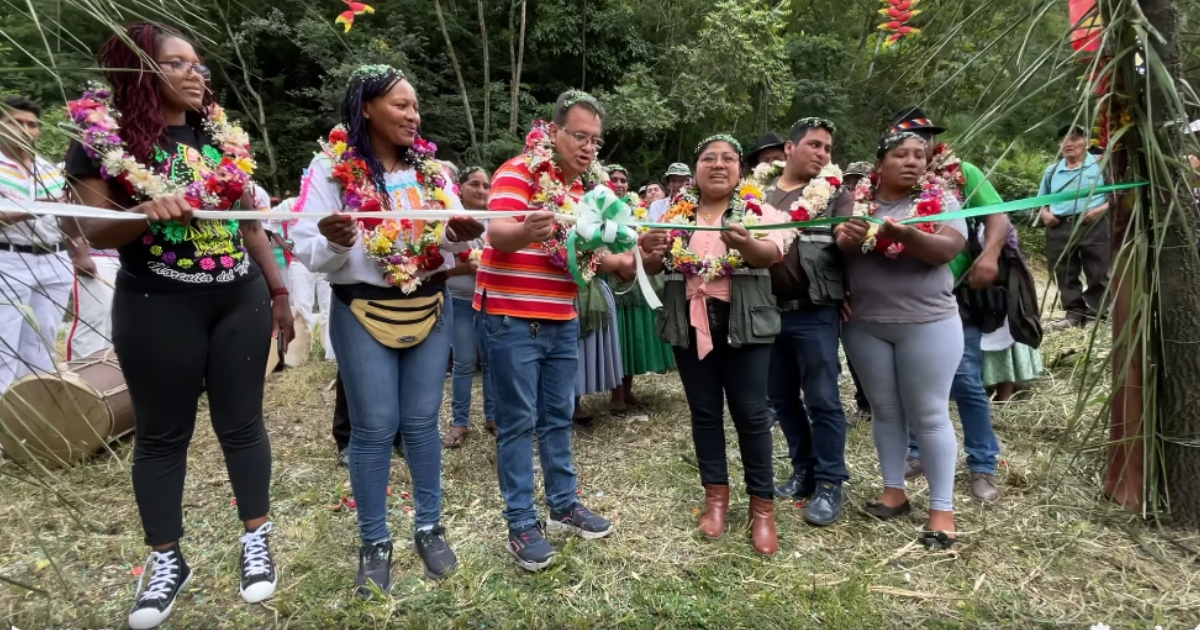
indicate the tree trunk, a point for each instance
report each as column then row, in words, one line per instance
column 518, row 58
column 462, row 85
column 487, row 76
column 1178, row 297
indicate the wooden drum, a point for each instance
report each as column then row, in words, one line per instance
column 60, row 419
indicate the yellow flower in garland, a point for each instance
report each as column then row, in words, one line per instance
column 246, row 165
column 379, row 243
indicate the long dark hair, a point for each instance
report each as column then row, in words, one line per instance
column 367, row 84
column 127, row 59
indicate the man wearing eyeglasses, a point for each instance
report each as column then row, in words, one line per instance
column 35, row 272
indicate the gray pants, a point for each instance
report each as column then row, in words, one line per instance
column 1071, row 251
column 906, row 372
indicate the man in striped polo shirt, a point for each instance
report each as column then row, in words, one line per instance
column 528, row 327
column 35, row 272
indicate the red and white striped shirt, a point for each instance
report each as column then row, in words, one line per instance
column 523, row 284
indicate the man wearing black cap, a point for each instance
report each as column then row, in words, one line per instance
column 1077, row 239
column 809, row 290
column 971, row 186
column 770, row 149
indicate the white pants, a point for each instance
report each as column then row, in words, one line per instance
column 306, row 288
column 91, row 330
column 34, row 289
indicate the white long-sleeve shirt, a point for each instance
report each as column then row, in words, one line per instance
column 350, row 265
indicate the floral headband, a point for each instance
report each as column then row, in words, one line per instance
column 816, row 122
column 575, row 97
column 891, row 141
column 721, row 137
column 376, row 71
column 613, row 168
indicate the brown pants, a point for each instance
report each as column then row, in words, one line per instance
column 1074, row 248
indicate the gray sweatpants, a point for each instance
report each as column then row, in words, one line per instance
column 906, row 372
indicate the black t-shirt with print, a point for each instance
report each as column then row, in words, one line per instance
column 171, row 256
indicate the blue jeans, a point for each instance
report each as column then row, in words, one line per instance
column 465, row 353
column 804, row 359
column 533, row 364
column 389, row 390
column 974, row 408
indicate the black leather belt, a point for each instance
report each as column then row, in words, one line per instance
column 32, row 249
column 791, row 305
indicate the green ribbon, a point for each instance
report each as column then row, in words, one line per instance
column 604, row 220
column 997, row 208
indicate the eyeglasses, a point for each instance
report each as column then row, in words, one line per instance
column 584, row 139
column 182, row 67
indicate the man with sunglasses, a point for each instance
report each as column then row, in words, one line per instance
column 35, row 272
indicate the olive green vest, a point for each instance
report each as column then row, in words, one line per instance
column 820, row 257
column 753, row 316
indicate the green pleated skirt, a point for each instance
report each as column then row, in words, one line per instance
column 642, row 350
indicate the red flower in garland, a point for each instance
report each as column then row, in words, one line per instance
column 338, row 135
column 371, row 205
column 431, row 258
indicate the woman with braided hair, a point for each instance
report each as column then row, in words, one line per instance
column 388, row 319
column 195, row 299
column 720, row 316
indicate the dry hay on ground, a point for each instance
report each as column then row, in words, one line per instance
column 1049, row 553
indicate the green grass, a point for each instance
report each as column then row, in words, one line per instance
column 1049, row 553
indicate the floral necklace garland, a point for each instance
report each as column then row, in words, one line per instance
column 746, row 208
column 818, row 192
column 552, row 194
column 216, row 189
column 394, row 245
column 927, row 204
column 947, row 168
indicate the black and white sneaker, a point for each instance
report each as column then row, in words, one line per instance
column 168, row 574
column 258, row 570
column 580, row 521
column 374, row 566
column 530, row 547
column 435, row 552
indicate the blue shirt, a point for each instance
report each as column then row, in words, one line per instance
column 1059, row 178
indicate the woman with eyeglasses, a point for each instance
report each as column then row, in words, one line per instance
column 904, row 333
column 719, row 314
column 195, row 299
column 474, row 184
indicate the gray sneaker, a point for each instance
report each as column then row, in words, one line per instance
column 915, row 468
column 983, row 487
column 374, row 566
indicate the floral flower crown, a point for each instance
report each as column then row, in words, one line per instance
column 575, row 97
column 721, row 137
column 891, row 141
column 376, row 71
column 613, row 168
column 815, row 122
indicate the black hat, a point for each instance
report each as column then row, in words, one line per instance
column 1066, row 129
column 913, row 119
column 768, row 141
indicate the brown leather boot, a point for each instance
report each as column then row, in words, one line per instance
column 716, row 505
column 762, row 526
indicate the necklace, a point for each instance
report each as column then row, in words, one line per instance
column 745, row 207
column 400, row 248
column 927, row 203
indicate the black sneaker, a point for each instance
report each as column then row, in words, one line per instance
column 258, row 570
column 435, row 552
column 374, row 565
column 344, row 457
column 168, row 574
column 798, row 486
column 580, row 520
column 530, row 547
column 826, row 506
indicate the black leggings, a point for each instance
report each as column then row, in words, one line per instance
column 739, row 375
column 172, row 347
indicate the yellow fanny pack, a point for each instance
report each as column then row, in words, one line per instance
column 401, row 323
